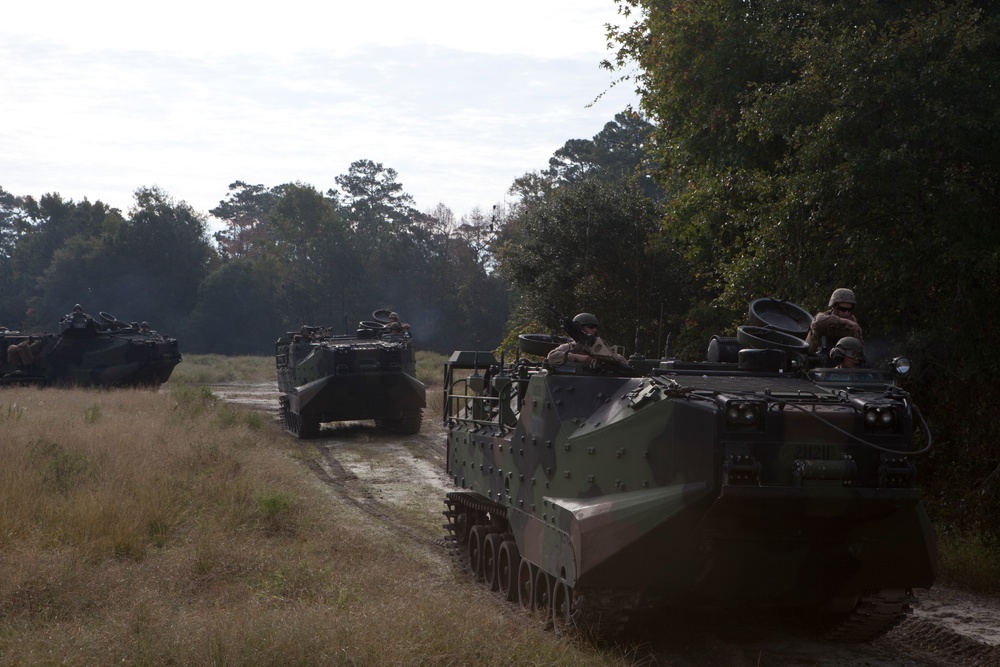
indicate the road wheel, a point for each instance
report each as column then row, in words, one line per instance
column 477, row 539
column 525, row 585
column 491, row 550
column 562, row 605
column 508, row 560
column 542, row 592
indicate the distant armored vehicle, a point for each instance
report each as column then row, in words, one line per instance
column 368, row 374
column 758, row 480
column 88, row 352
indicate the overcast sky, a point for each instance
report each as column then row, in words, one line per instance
column 100, row 98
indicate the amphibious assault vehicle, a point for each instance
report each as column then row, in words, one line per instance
column 367, row 374
column 88, row 352
column 758, row 479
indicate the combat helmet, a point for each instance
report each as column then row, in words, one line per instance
column 584, row 319
column 845, row 346
column 842, row 295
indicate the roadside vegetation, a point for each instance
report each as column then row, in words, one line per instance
column 170, row 528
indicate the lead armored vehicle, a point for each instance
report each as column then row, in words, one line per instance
column 759, row 479
column 88, row 352
column 366, row 374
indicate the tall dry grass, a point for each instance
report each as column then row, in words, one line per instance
column 220, row 369
column 167, row 528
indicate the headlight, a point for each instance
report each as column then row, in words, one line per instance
column 901, row 365
column 881, row 417
column 745, row 414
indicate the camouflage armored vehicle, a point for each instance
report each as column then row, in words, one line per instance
column 88, row 352
column 367, row 374
column 758, row 480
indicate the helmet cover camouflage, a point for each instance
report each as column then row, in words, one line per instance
column 841, row 295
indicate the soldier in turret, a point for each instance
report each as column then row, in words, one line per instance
column 395, row 326
column 848, row 353
column 585, row 352
column 834, row 323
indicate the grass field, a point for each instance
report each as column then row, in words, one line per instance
column 218, row 369
column 167, row 527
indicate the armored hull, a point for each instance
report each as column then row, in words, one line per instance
column 366, row 375
column 88, row 356
column 594, row 495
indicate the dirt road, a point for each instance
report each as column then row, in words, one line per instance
column 388, row 476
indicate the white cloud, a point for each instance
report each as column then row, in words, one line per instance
column 101, row 98
column 541, row 29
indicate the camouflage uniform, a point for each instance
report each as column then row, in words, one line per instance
column 828, row 324
column 395, row 326
column 595, row 348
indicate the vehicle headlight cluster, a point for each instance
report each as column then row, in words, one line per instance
column 880, row 416
column 746, row 414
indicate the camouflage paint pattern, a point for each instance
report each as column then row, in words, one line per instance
column 643, row 484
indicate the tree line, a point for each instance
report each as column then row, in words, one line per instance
column 291, row 254
column 287, row 255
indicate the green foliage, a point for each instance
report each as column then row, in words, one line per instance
column 965, row 560
column 229, row 415
column 430, row 367
column 314, row 258
column 810, row 145
column 92, row 414
column 585, row 237
column 246, row 213
column 306, row 258
column 121, row 265
column 814, row 145
column 589, row 247
column 61, row 468
column 217, row 368
column 237, row 308
column 275, row 510
column 616, row 154
column 288, row 256
column 192, row 400
column 13, row 413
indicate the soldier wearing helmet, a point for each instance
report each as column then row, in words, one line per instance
column 848, row 352
column 394, row 325
column 584, row 352
column 834, row 323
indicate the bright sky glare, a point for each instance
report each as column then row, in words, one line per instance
column 460, row 98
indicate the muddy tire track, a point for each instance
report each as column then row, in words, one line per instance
column 362, row 493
